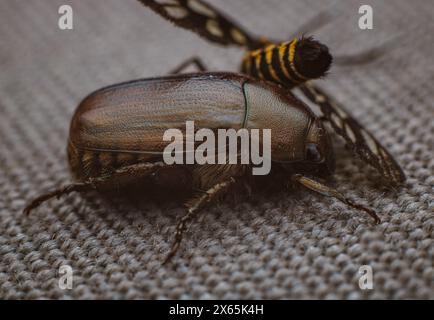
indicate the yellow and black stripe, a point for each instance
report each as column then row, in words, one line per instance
column 290, row 63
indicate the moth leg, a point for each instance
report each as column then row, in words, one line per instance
column 331, row 192
column 196, row 61
column 193, row 208
column 107, row 181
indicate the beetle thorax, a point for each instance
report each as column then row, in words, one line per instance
column 270, row 107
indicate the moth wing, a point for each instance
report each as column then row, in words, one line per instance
column 203, row 19
column 361, row 141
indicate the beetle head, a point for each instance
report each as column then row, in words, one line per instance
column 319, row 154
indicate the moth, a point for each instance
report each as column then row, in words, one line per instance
column 290, row 64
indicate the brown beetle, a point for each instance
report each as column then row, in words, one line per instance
column 116, row 136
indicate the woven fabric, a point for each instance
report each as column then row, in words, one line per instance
column 287, row 245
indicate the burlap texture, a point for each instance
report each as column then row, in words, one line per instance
column 285, row 246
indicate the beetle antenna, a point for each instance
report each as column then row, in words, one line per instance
column 331, row 192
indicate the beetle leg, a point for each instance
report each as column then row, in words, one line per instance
column 79, row 187
column 196, row 61
column 248, row 189
column 101, row 182
column 331, row 192
column 193, row 208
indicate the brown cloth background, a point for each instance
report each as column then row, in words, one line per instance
column 281, row 246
